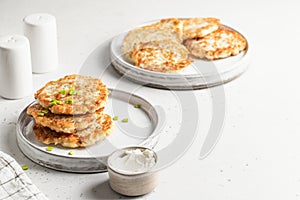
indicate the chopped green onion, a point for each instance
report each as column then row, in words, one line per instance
column 77, row 93
column 68, row 101
column 24, row 167
column 41, row 114
column 49, row 148
column 125, row 120
column 137, row 105
column 71, row 153
column 54, row 102
column 115, row 118
column 79, row 120
column 72, row 91
column 45, row 111
column 64, row 92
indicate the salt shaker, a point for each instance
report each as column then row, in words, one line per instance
column 15, row 67
column 40, row 29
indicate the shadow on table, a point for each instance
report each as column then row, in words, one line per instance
column 9, row 141
column 98, row 64
column 104, row 191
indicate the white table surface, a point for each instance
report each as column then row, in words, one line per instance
column 258, row 155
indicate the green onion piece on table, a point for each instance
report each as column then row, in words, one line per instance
column 125, row 120
column 115, row 118
column 24, row 167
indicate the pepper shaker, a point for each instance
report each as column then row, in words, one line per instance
column 40, row 29
column 15, row 67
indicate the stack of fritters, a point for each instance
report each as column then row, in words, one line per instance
column 165, row 45
column 69, row 112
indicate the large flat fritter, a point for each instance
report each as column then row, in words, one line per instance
column 222, row 43
column 62, row 123
column 73, row 94
column 160, row 56
column 199, row 27
column 166, row 29
column 87, row 137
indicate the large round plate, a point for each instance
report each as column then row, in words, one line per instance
column 142, row 129
column 200, row 74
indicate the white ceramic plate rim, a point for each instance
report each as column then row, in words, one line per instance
column 116, row 56
column 22, row 140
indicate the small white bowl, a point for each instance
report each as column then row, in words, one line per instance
column 131, row 183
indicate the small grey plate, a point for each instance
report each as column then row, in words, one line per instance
column 200, row 74
column 142, row 128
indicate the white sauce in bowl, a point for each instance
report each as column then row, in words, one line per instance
column 133, row 160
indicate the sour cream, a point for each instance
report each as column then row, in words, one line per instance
column 133, row 160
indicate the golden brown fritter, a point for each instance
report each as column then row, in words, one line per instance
column 160, row 56
column 62, row 123
column 199, row 27
column 87, row 137
column 72, row 95
column 166, row 29
column 220, row 44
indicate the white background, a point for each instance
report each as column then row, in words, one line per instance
column 258, row 155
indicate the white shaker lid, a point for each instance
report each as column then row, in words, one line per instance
column 11, row 42
column 39, row 19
